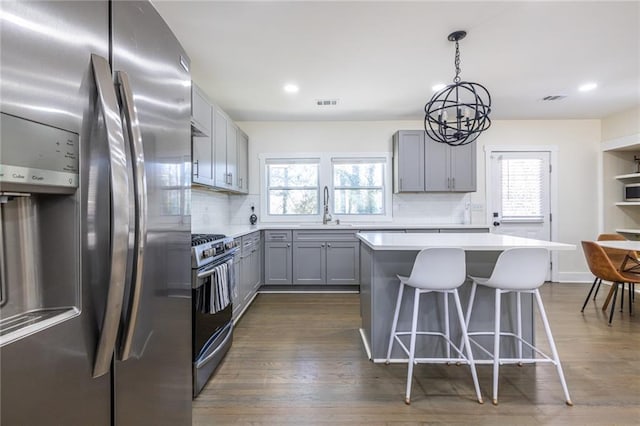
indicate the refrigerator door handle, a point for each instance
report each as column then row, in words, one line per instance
column 140, row 191
column 106, row 97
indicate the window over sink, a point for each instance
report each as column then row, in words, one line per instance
column 292, row 185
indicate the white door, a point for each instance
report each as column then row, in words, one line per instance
column 520, row 194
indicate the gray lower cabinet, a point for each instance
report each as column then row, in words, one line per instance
column 343, row 262
column 309, row 262
column 247, row 268
column 325, row 257
column 236, row 297
column 277, row 257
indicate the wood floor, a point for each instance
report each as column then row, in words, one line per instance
column 297, row 359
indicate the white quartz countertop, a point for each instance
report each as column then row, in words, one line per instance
column 466, row 241
column 240, row 230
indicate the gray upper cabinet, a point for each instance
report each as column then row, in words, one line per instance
column 200, row 112
column 221, row 127
column 201, row 140
column 408, row 161
column 219, row 148
column 462, row 166
column 423, row 165
column 450, row 168
column 242, row 166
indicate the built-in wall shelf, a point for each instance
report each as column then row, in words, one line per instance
column 628, row 176
column 628, row 203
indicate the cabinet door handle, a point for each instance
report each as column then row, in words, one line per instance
column 329, row 245
column 453, row 183
column 288, row 245
column 196, row 168
column 448, row 183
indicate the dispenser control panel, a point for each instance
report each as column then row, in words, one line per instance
column 37, row 157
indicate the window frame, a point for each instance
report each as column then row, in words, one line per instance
column 358, row 160
column 325, row 176
column 290, row 161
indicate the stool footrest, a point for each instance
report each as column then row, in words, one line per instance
column 452, row 345
column 545, row 357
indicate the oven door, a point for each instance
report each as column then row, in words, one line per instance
column 212, row 332
column 207, row 325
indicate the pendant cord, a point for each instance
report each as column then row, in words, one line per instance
column 456, row 79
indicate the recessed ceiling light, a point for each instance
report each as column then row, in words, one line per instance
column 291, row 88
column 438, row 86
column 587, row 87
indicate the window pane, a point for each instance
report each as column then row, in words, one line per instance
column 358, row 201
column 293, row 175
column 522, row 188
column 358, row 175
column 293, row 201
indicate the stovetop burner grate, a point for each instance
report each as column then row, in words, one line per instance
column 197, row 239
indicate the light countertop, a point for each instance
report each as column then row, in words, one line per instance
column 236, row 231
column 466, row 241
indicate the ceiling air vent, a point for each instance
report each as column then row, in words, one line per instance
column 326, row 102
column 554, row 97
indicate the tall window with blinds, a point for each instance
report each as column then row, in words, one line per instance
column 522, row 188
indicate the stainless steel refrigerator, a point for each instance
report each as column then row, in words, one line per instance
column 95, row 308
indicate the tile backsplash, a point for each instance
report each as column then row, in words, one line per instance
column 209, row 210
column 432, row 208
column 212, row 210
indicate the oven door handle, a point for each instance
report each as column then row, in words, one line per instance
column 211, row 269
column 201, row 362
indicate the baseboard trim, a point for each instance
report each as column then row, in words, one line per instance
column 365, row 343
column 575, row 277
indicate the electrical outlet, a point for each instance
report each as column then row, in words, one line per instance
column 477, row 207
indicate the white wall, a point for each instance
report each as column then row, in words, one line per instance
column 619, row 130
column 578, row 143
column 578, row 155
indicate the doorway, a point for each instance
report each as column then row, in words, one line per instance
column 520, row 193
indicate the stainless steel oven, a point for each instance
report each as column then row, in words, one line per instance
column 213, row 283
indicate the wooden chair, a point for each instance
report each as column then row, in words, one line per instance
column 603, row 268
column 617, row 258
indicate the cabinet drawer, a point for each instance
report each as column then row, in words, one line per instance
column 257, row 238
column 332, row 235
column 250, row 243
column 273, row 235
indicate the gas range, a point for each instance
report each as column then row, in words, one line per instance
column 207, row 248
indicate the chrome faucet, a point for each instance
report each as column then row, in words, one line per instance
column 326, row 217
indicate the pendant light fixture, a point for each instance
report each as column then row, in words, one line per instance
column 459, row 113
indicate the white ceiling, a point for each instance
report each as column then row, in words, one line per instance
column 381, row 58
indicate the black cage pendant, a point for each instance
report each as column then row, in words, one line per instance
column 459, row 113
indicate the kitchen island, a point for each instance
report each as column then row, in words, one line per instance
column 384, row 255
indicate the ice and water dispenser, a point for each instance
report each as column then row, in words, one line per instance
column 39, row 218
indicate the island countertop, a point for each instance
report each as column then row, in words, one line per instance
column 466, row 241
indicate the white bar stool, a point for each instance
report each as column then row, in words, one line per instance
column 440, row 270
column 518, row 270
